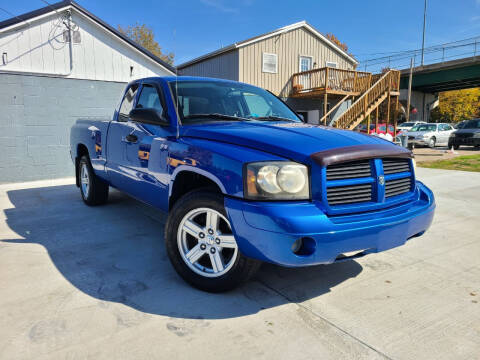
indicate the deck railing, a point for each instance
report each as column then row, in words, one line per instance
column 330, row 80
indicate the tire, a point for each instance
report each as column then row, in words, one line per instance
column 195, row 253
column 431, row 142
column 94, row 191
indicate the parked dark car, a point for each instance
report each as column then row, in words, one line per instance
column 467, row 135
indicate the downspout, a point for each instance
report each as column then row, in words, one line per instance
column 70, row 46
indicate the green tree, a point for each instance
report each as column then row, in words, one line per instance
column 457, row 105
column 144, row 36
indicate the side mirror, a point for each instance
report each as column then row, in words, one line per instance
column 148, row 116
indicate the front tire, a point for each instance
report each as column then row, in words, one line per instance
column 201, row 245
column 431, row 142
column 94, row 191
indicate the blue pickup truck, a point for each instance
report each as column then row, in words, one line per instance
column 244, row 180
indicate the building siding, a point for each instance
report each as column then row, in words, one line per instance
column 100, row 55
column 224, row 66
column 288, row 47
column 35, row 121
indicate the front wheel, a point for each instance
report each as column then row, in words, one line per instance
column 431, row 142
column 201, row 245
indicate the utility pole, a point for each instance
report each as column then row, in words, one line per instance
column 424, row 24
column 409, row 89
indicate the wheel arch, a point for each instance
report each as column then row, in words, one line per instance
column 188, row 178
column 81, row 151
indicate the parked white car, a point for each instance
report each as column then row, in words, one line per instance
column 429, row 135
column 406, row 126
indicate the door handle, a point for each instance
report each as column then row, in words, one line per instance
column 131, row 138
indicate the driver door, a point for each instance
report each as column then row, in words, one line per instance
column 146, row 151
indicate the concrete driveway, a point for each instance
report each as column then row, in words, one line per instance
column 79, row 282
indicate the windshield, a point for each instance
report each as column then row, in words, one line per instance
column 407, row 124
column 471, row 124
column 198, row 100
column 424, row 127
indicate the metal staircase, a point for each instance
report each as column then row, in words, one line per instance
column 384, row 87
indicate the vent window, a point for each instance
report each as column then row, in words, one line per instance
column 269, row 63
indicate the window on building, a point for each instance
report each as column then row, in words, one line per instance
column 331, row 64
column 269, row 63
column 149, row 99
column 305, row 63
column 127, row 103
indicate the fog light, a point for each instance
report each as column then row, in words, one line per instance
column 304, row 246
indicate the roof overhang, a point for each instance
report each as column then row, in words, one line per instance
column 301, row 24
column 24, row 20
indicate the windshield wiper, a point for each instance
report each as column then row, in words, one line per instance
column 273, row 118
column 216, row 116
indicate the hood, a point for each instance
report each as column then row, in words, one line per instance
column 296, row 141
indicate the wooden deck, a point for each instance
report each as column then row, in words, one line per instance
column 318, row 82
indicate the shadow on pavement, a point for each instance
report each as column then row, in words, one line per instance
column 116, row 253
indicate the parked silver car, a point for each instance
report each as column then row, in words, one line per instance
column 429, row 135
column 406, row 126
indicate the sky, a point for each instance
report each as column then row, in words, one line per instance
column 191, row 28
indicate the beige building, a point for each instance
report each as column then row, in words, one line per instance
column 295, row 62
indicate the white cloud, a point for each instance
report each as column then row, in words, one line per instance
column 219, row 5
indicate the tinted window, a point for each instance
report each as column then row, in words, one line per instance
column 407, row 124
column 149, row 99
column 127, row 103
column 472, row 124
column 424, row 128
column 227, row 98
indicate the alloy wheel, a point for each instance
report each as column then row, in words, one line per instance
column 206, row 242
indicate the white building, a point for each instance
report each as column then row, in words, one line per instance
column 59, row 63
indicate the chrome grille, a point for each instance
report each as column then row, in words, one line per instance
column 350, row 170
column 394, row 166
column 349, row 194
column 397, row 187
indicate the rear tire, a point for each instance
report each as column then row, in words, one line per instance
column 94, row 190
column 201, row 245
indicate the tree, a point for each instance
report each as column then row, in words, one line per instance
column 337, row 42
column 144, row 36
column 457, row 105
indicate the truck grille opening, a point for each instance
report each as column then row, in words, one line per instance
column 393, row 166
column 350, row 170
column 349, row 194
column 397, row 187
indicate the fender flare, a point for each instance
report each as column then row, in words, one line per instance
column 194, row 169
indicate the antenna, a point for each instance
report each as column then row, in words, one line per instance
column 176, row 87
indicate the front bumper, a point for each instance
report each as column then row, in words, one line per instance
column 267, row 231
column 470, row 141
column 419, row 142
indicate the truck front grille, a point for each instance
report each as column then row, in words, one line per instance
column 349, row 194
column 397, row 187
column 368, row 181
column 393, row 166
column 355, row 169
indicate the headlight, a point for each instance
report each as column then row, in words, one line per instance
column 276, row 180
column 476, row 135
column 452, row 135
column 426, row 136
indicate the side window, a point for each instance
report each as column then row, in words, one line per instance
column 127, row 103
column 149, row 99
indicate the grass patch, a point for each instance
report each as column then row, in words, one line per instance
column 463, row 163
